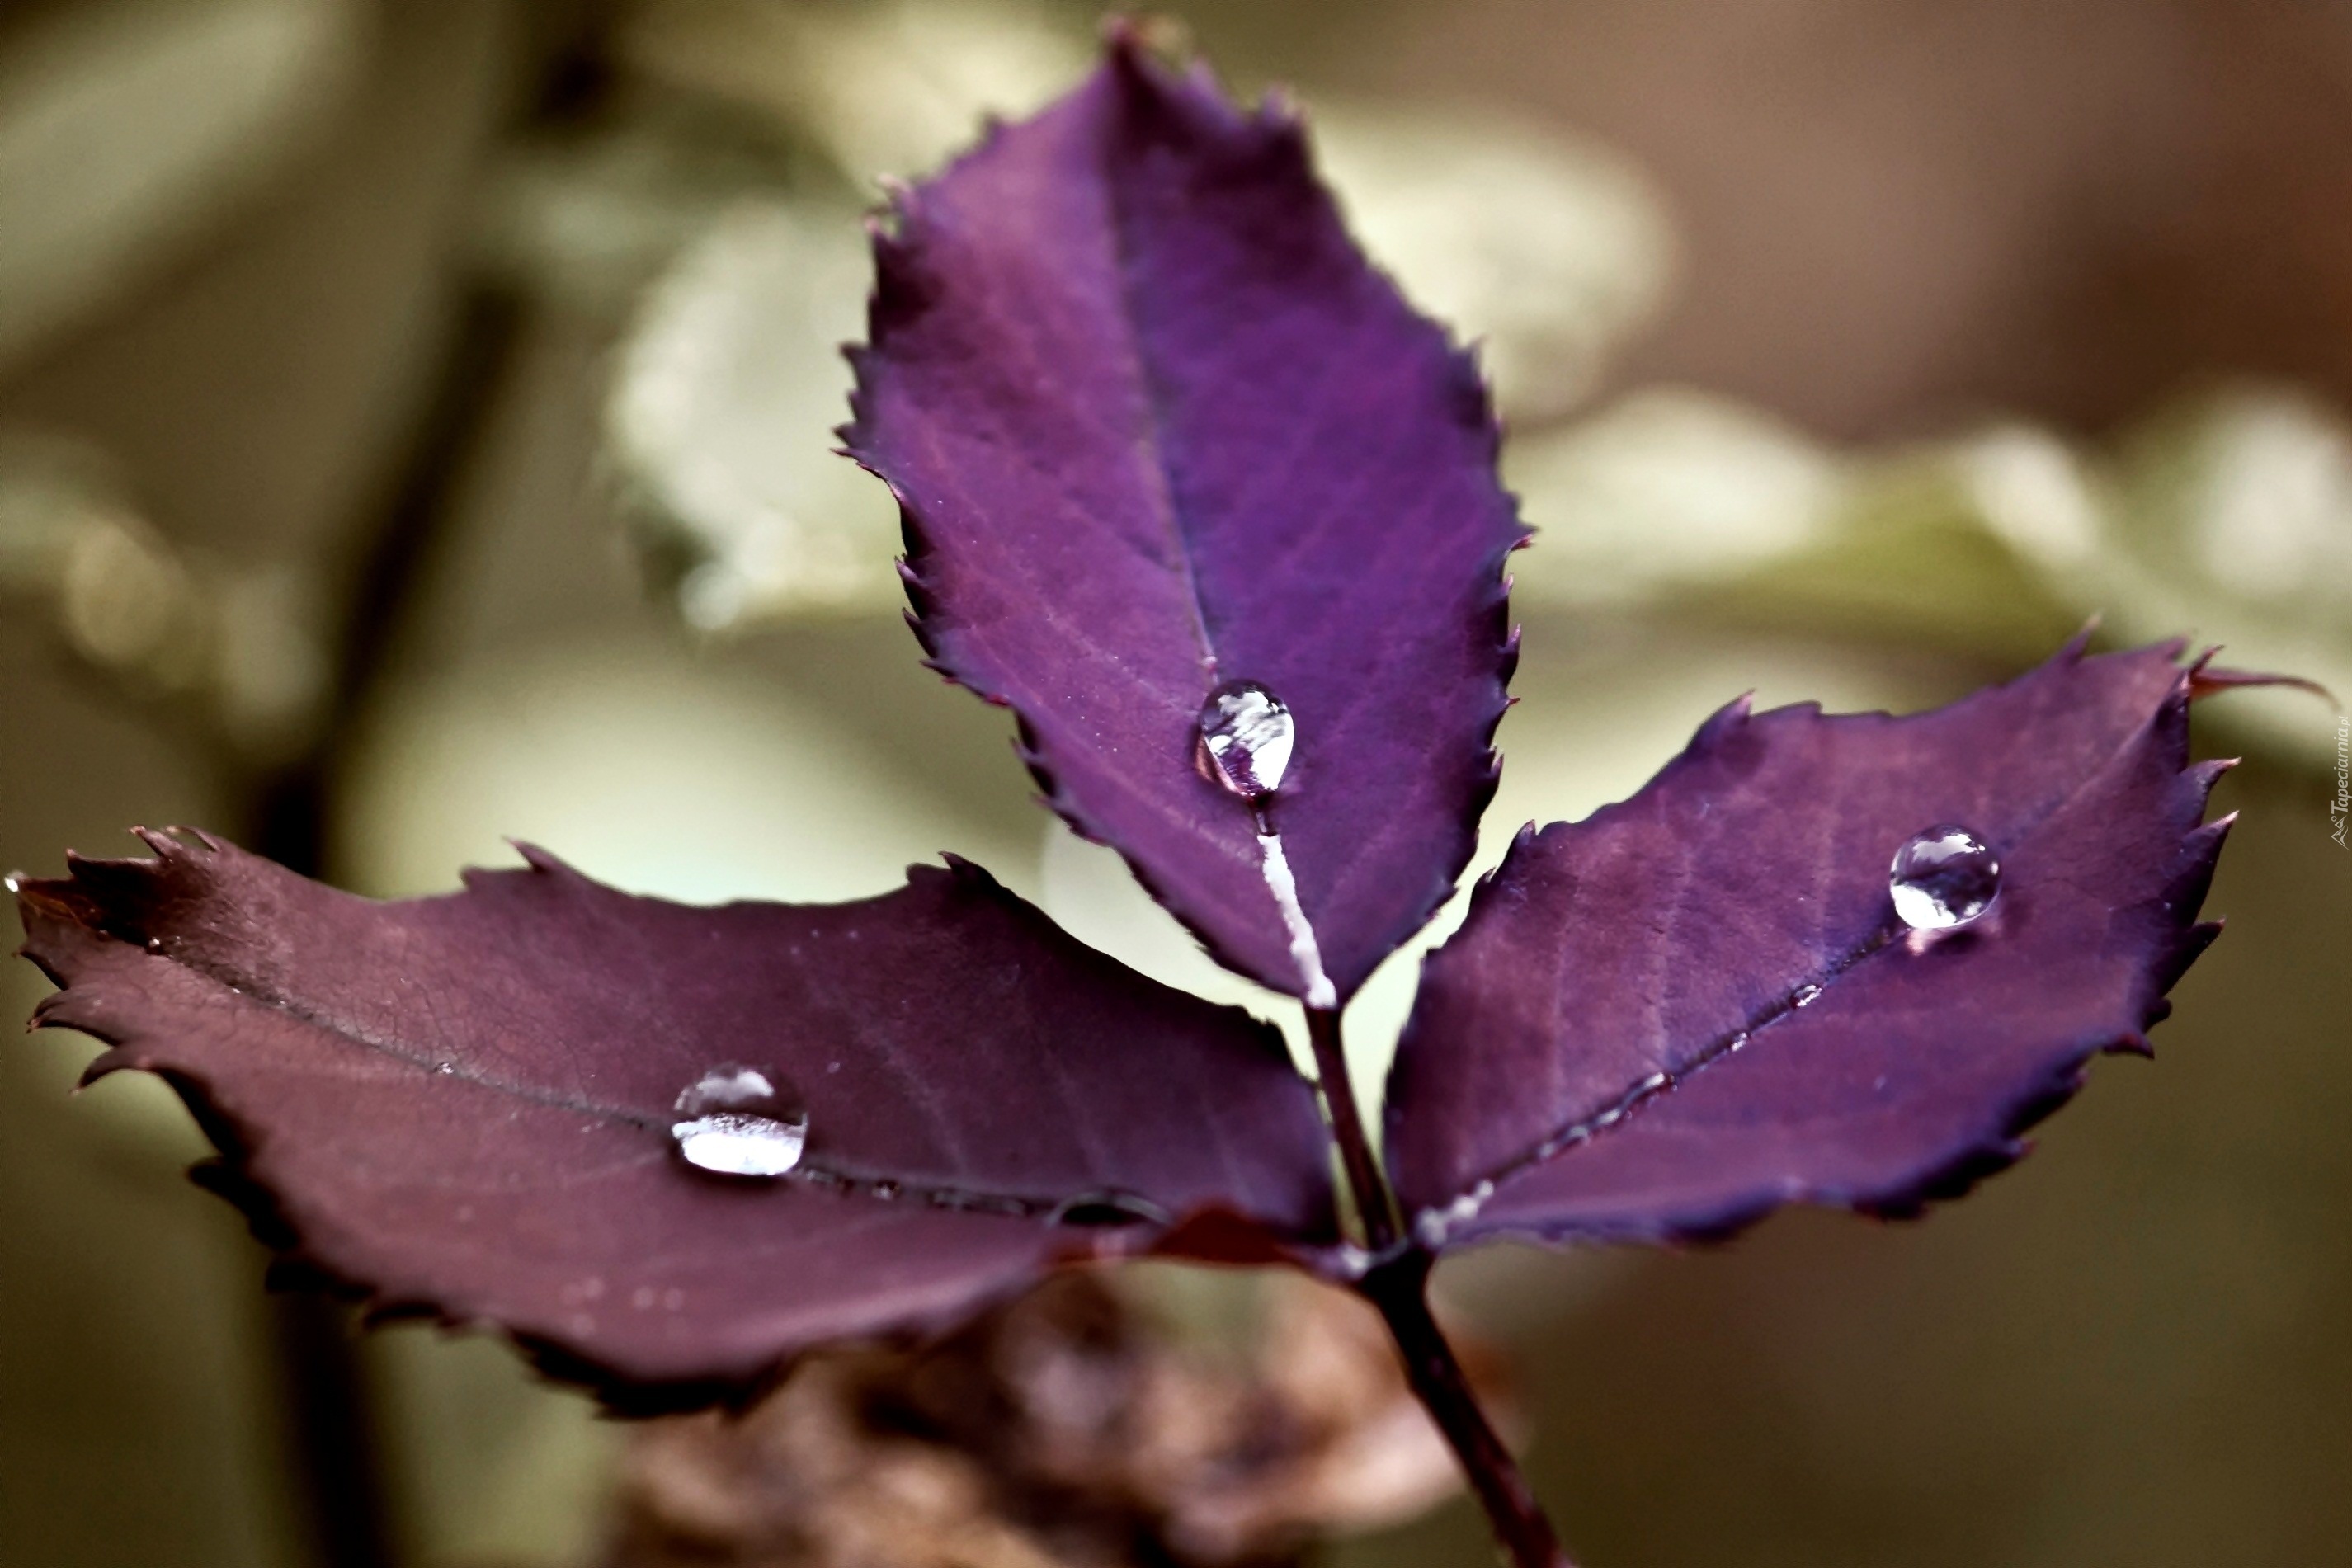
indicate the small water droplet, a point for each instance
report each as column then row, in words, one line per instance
column 1247, row 733
column 1108, row 1210
column 14, row 884
column 1943, row 876
column 885, row 1190
column 1805, row 994
column 741, row 1121
column 445, row 1069
column 154, row 944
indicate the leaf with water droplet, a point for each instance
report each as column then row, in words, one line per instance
column 466, row 1104
column 1707, row 1001
column 1156, row 426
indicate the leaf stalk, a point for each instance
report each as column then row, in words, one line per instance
column 1397, row 1285
column 1375, row 1207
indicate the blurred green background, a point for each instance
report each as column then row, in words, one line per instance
column 1850, row 353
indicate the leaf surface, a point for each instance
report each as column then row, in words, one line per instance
column 1155, row 425
column 463, row 1104
column 1699, row 1004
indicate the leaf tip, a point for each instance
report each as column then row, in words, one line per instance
column 2206, row 679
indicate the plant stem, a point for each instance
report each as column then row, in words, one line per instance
column 1400, row 1289
column 1369, row 1189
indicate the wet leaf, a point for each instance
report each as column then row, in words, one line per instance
column 465, row 1105
column 1155, row 425
column 1700, row 1004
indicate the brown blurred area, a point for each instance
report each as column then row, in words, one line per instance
column 284, row 280
column 1897, row 214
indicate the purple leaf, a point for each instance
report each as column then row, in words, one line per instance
column 1156, row 426
column 465, row 1105
column 1700, row 1004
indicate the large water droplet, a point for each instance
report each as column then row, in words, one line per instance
column 741, row 1121
column 1247, row 733
column 1942, row 877
column 1108, row 1209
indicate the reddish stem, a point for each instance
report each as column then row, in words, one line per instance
column 1398, row 1287
column 1365, row 1183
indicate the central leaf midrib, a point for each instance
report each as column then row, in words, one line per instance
column 920, row 1194
column 1155, row 409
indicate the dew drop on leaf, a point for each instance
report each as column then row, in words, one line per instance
column 1108, row 1209
column 741, row 1121
column 1247, row 733
column 1943, row 876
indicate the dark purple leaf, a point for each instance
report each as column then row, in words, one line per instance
column 1700, row 1004
column 464, row 1104
column 1156, row 426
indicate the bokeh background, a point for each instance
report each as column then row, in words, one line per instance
column 413, row 431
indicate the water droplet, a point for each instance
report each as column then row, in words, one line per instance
column 154, row 944
column 445, row 1069
column 741, row 1121
column 1804, row 996
column 1247, row 733
column 1943, row 876
column 1108, row 1209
